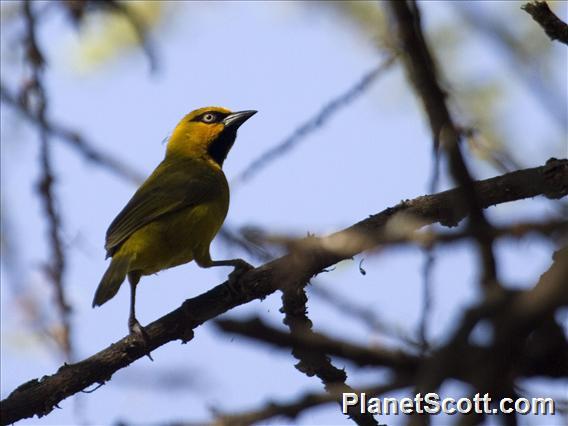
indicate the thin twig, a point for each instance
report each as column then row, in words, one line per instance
column 308, row 340
column 292, row 409
column 238, row 240
column 367, row 316
column 513, row 50
column 313, row 123
column 78, row 8
column 56, row 266
column 428, row 267
column 71, row 137
column 137, row 25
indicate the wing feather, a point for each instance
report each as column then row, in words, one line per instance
column 174, row 185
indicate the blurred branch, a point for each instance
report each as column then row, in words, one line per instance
column 405, row 230
column 402, row 234
column 78, row 8
column 516, row 315
column 313, row 362
column 74, row 139
column 367, row 316
column 552, row 25
column 35, row 92
column 292, row 409
column 40, row 396
column 527, row 342
column 427, row 298
column 137, row 25
column 422, row 73
column 429, row 239
column 314, row 123
column 549, row 293
column 238, row 239
column 513, row 49
column 421, row 70
column 311, row 341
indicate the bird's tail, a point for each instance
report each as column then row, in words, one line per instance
column 112, row 279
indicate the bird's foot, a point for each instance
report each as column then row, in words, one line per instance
column 139, row 333
column 241, row 268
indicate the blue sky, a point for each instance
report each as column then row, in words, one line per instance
column 286, row 61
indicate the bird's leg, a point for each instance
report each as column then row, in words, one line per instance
column 133, row 325
column 241, row 267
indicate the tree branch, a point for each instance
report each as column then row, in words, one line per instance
column 404, row 232
column 362, row 356
column 552, row 25
column 513, row 49
column 72, row 138
column 292, row 409
column 522, row 320
column 314, row 123
column 367, row 316
column 55, row 267
column 39, row 397
column 421, row 70
column 78, row 10
column 317, row 363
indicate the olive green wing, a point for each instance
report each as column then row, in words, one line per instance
column 173, row 186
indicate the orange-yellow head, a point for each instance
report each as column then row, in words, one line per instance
column 207, row 133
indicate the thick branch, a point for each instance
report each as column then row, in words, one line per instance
column 317, row 363
column 552, row 25
column 421, row 70
column 511, row 354
column 528, row 341
column 404, row 232
column 39, row 397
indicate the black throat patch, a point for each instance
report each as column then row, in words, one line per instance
column 220, row 147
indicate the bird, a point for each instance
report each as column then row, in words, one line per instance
column 175, row 214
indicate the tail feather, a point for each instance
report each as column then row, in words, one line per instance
column 112, row 279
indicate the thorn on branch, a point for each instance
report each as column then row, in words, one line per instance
column 361, row 270
column 94, row 389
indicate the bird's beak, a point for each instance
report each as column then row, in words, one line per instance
column 235, row 119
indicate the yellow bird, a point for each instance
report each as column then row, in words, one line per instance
column 173, row 217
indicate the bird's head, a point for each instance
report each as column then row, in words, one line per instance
column 207, row 133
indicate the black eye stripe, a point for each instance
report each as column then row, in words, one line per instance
column 218, row 117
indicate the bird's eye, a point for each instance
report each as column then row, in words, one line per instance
column 209, row 117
